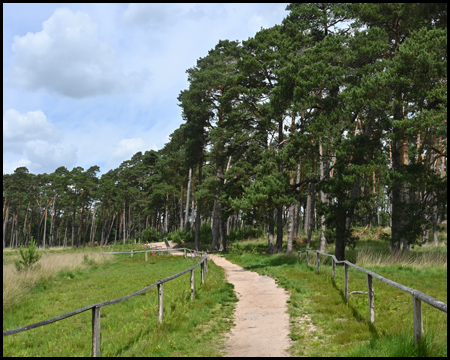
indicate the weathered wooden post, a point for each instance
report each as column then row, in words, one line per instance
column 417, row 315
column 333, row 268
column 185, row 253
column 299, row 254
column 192, row 285
column 318, row 262
column 202, row 271
column 96, row 331
column 370, row 293
column 346, row 280
column 131, row 253
column 307, row 258
column 146, row 256
column 160, row 302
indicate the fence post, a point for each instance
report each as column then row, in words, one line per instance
column 146, row 256
column 346, row 280
column 307, row 258
column 192, row 285
column 417, row 315
column 160, row 302
column 370, row 292
column 318, row 262
column 202, row 271
column 299, row 254
column 185, row 253
column 131, row 253
column 333, row 268
column 96, row 331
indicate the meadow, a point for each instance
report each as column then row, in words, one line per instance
column 129, row 328
column 323, row 322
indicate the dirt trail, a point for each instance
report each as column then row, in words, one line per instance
column 262, row 322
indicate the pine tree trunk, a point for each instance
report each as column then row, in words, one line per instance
column 197, row 212
column 5, row 224
column 271, row 233
column 181, row 208
column 186, row 214
column 279, row 247
column 217, row 216
column 291, row 229
column 323, row 200
column 45, row 224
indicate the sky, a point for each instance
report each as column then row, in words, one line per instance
column 93, row 84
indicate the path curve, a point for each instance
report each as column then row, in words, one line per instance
column 262, row 322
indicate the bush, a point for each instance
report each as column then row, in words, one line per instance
column 29, row 256
column 180, row 236
column 242, row 234
column 205, row 233
column 151, row 235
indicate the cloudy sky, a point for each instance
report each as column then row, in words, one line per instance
column 92, row 84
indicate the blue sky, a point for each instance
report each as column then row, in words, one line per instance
column 92, row 84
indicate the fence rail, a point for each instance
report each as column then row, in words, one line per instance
column 417, row 296
column 96, row 307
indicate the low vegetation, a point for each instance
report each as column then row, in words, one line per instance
column 16, row 284
column 324, row 323
column 129, row 328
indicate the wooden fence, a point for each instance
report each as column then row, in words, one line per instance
column 417, row 296
column 96, row 307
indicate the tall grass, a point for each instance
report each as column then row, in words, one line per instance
column 17, row 283
column 436, row 257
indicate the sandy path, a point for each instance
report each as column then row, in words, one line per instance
column 262, row 322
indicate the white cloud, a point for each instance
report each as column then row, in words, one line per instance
column 125, row 149
column 18, row 129
column 37, row 142
column 68, row 58
column 153, row 15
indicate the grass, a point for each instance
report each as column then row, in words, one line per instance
column 324, row 323
column 129, row 328
column 16, row 284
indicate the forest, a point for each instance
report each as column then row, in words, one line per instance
column 334, row 119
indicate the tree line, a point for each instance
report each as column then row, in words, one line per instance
column 333, row 119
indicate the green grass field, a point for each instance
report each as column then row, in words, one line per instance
column 129, row 328
column 323, row 322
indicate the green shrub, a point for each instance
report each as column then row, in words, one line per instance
column 180, row 236
column 29, row 256
column 205, row 233
column 151, row 235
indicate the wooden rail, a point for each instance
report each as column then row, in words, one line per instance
column 96, row 307
column 417, row 296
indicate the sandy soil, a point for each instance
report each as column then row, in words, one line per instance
column 262, row 322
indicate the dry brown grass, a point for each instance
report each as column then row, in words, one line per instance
column 15, row 283
column 419, row 258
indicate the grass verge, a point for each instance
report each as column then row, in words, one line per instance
column 324, row 323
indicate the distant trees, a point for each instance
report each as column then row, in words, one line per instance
column 333, row 119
